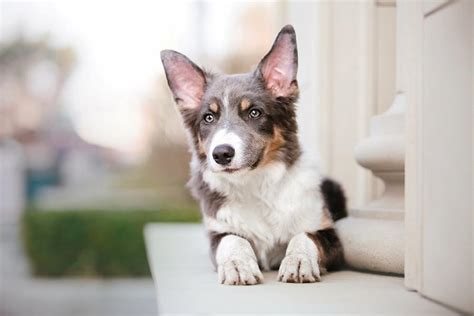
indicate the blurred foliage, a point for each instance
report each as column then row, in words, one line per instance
column 19, row 54
column 93, row 243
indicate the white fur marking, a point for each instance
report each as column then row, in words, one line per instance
column 236, row 262
column 222, row 137
column 225, row 99
column 300, row 264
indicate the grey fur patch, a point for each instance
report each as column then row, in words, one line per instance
column 210, row 201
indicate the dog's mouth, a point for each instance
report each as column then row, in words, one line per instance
column 230, row 170
column 233, row 169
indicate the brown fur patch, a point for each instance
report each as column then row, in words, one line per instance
column 331, row 253
column 244, row 104
column 214, row 107
column 326, row 221
column 201, row 149
column 272, row 147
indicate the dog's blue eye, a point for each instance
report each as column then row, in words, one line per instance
column 209, row 118
column 254, row 113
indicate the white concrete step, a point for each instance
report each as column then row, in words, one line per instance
column 186, row 284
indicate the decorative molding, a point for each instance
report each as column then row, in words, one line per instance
column 382, row 152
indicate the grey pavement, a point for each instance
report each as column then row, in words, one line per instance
column 24, row 295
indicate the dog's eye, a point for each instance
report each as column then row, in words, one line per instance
column 254, row 113
column 208, row 118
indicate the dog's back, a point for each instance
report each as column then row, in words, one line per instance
column 334, row 198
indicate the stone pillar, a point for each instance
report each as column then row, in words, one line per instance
column 373, row 234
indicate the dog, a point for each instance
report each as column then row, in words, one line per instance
column 264, row 203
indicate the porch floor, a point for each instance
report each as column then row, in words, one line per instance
column 186, row 284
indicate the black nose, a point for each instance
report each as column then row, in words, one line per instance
column 223, row 154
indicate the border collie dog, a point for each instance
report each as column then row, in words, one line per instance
column 264, row 203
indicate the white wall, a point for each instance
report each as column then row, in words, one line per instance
column 435, row 41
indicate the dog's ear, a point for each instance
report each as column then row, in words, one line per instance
column 279, row 66
column 186, row 80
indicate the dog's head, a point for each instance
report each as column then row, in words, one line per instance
column 242, row 121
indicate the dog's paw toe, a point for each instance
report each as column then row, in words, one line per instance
column 239, row 272
column 298, row 268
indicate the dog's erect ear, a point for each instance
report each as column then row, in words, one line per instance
column 279, row 67
column 186, row 80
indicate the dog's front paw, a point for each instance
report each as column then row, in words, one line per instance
column 240, row 272
column 299, row 268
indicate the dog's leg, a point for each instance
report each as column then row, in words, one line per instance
column 236, row 262
column 309, row 254
column 331, row 253
column 301, row 262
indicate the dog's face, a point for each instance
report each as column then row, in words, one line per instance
column 239, row 122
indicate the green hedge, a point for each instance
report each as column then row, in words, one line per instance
column 92, row 243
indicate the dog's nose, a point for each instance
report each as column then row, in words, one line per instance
column 223, row 154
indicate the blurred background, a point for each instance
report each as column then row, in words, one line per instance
column 92, row 148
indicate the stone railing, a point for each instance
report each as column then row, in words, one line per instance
column 373, row 234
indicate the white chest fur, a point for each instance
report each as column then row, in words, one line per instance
column 269, row 205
